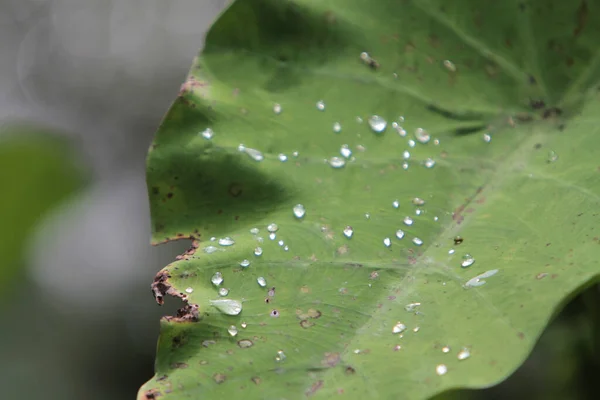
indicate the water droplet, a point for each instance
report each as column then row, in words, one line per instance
column 463, row 354
column 321, row 105
column 254, row 154
column 405, row 165
column 416, row 329
column 243, row 325
column 441, row 369
column 245, row 263
column 282, row 157
column 422, row 136
column 417, row 241
column 245, row 343
column 223, row 292
column 406, row 154
column 411, row 143
column 436, row 218
column 217, row 279
column 400, row 234
column 337, row 162
column 377, row 123
column 395, row 204
column 408, row 221
column 345, row 151
column 262, row 282
column 280, row 356
column 226, row 241
column 367, row 216
column 417, row 201
column 446, row 349
column 451, row 251
column 299, row 211
column 348, row 231
column 398, row 328
column 189, row 290
column 272, row 227
column 232, row 330
column 280, row 243
column 285, row 248
column 207, row 134
column 258, row 251
column 210, row 249
column 479, row 279
column 277, row 108
column 429, row 163
column 387, row 242
column 241, row 148
column 410, row 307
column 552, row 156
column 487, row 137
column 449, row 65
column 337, row 127
column 418, row 211
column 272, row 235
column 254, row 231
column 227, row 306
column 295, row 154
column 359, row 120
column 467, row 261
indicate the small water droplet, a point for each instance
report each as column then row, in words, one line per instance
column 441, row 369
column 336, row 162
column 232, row 330
column 227, row 306
column 245, row 263
column 282, row 157
column 449, row 65
column 254, row 154
column 280, row 356
column 295, row 154
column 377, row 123
column 467, row 261
column 400, row 234
column 446, row 349
column 411, row 143
column 272, row 235
column 416, row 329
column 436, row 142
column 451, row 251
column 417, row 201
column 552, row 156
column 272, row 227
column 406, row 154
column 348, row 231
column 422, row 136
column 207, row 134
column 280, row 243
column 410, row 307
column 243, row 325
column 241, row 148
column 417, row 242
column 223, row 292
column 479, row 280
column 299, row 211
column 408, row 221
column 210, row 249
column 463, row 354
column 436, row 218
column 367, row 216
column 262, row 282
column 395, row 204
column 286, row 248
column 337, row 127
column 487, row 137
column 429, row 163
column 217, row 279
column 398, row 328
column 277, row 108
column 387, row 242
column 321, row 105
column 405, row 165
column 254, row 231
column 258, row 251
column 418, row 211
column 345, row 151
column 226, row 241
column 189, row 290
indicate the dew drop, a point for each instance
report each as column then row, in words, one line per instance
column 226, row 241
column 405, row 165
column 487, row 137
column 254, row 231
column 429, row 163
column 262, row 282
column 227, row 306
column 418, row 211
column 295, row 154
column 417, row 201
column 463, row 354
column 467, row 261
column 277, row 108
column 367, row 216
column 245, row 263
column 345, row 151
column 281, row 243
column 245, row 343
column 348, row 231
column 207, row 134
column 400, row 234
column 451, row 251
column 436, row 218
column 408, row 221
column 411, row 143
column 282, row 157
column 422, row 136
column 395, row 204
column 398, row 328
column 441, row 369
column 223, row 292
column 377, row 123
column 299, row 211
column 232, row 330
column 241, row 148
column 479, row 279
column 254, row 154
column 321, row 105
column 243, row 325
column 446, row 349
column 449, row 65
column 272, row 235
column 416, row 329
column 210, row 249
column 189, row 290
column 417, row 242
column 387, row 242
column 552, row 156
column 410, row 307
column 286, row 248
column 258, row 251
column 272, row 227
column 336, row 162
column 217, row 279
column 280, row 356
column 406, row 154
column 337, row 127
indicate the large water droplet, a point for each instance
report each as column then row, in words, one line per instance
column 262, row 282
column 207, row 134
column 282, row 157
column 223, row 292
column 258, row 251
column 441, row 369
column 348, row 231
column 226, row 241
column 210, row 249
column 245, row 343
column 245, row 263
column 467, row 261
column 299, row 211
column 398, row 328
column 345, row 151
column 408, row 221
column 321, row 105
column 280, row 356
column 429, row 163
column 400, row 234
column 417, row 201
column 227, row 306
column 337, row 162
column 422, row 136
column 277, row 108
column 233, row 331
column 217, row 279
column 387, row 242
column 254, row 154
column 377, row 123
column 337, row 127
column 417, row 242
column 479, row 280
column 463, row 354
column 272, row 227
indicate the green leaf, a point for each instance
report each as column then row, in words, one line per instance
column 505, row 91
column 37, row 171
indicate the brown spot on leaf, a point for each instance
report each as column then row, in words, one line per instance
column 219, row 378
column 187, row 313
column 342, row 250
column 581, row 18
column 306, row 323
column 350, row 371
column 151, row 394
column 331, row 359
column 169, row 195
column 256, row 380
column 313, row 389
column 181, row 365
column 235, row 189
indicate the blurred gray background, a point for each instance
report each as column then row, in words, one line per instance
column 84, row 324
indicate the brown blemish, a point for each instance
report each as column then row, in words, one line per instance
column 169, row 195
column 581, row 17
column 160, row 287
column 178, row 341
column 306, row 323
column 187, row 313
column 219, row 378
column 331, row 359
column 521, row 335
column 314, row 388
column 342, row 250
column 305, row 289
column 155, row 190
column 181, row 365
column 350, row 371
column 235, row 189
column 151, row 394
column 256, row 380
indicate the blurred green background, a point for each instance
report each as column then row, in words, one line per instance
column 83, row 86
